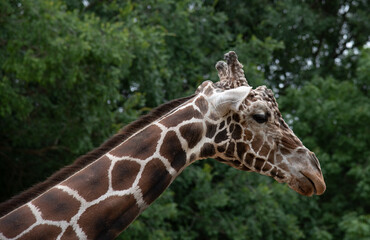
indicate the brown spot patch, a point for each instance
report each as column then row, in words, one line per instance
column 214, row 116
column 69, row 234
column 57, row 205
column 271, row 157
column 228, row 120
column 279, row 174
column 172, row 150
column 266, row 167
column 284, row 166
column 236, row 117
column 180, row 116
column 264, row 149
column 284, row 151
column 221, row 136
column 237, row 133
column 273, row 172
column 208, row 150
column 241, row 149
column 202, row 104
column 192, row 157
column 108, row 217
column 231, row 127
column 256, row 143
column 16, row 222
column 155, row 179
column 42, row 232
column 248, row 135
column 92, row 182
column 259, row 163
column 249, row 159
column 279, row 158
column 230, row 150
column 222, row 125
column 221, row 148
column 124, row 174
column 192, row 133
column 147, row 138
column 211, row 130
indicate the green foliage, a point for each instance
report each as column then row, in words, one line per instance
column 355, row 227
column 72, row 74
column 60, row 77
column 332, row 119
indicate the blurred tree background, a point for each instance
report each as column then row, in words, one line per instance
column 74, row 72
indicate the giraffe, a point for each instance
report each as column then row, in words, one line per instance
column 99, row 195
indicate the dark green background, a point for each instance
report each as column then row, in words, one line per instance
column 71, row 75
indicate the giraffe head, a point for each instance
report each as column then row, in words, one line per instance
column 250, row 133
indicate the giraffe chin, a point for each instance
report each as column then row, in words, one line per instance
column 308, row 184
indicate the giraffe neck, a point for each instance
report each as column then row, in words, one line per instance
column 102, row 199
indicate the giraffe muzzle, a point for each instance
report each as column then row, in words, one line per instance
column 314, row 183
column 309, row 180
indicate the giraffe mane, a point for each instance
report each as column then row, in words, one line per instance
column 88, row 158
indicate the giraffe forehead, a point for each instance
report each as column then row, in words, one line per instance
column 263, row 95
column 257, row 105
column 262, row 99
column 266, row 107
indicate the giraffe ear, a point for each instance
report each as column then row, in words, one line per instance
column 229, row 100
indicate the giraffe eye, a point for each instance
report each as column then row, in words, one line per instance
column 260, row 118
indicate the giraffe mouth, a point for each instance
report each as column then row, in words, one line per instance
column 308, row 184
column 312, row 183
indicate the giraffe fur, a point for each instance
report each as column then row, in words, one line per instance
column 227, row 120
